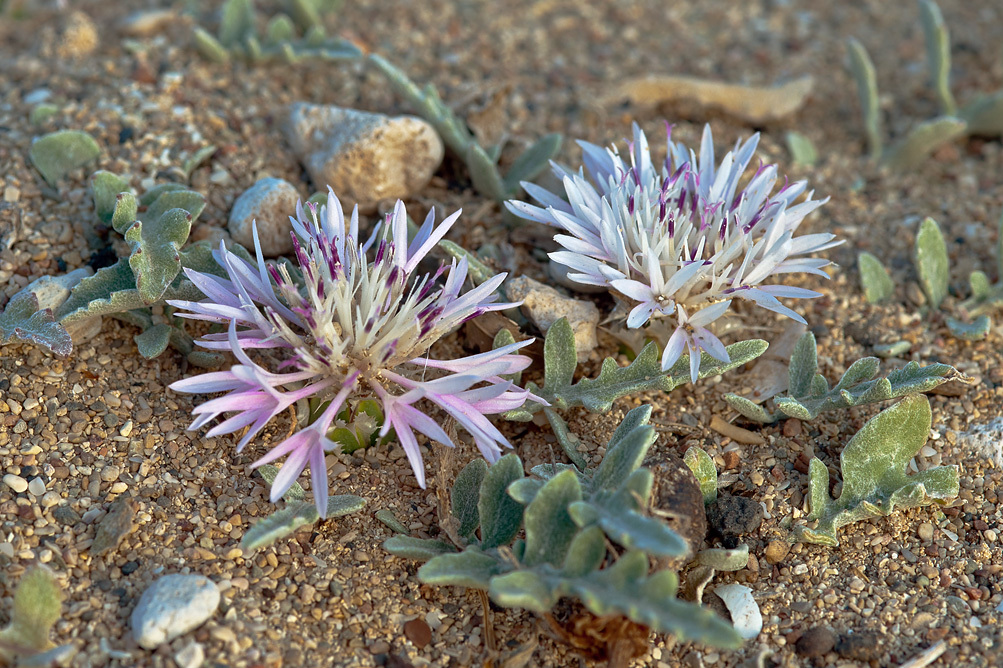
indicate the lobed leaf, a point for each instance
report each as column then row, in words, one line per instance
column 155, row 258
column 105, row 189
column 976, row 330
column 874, row 466
column 38, row 601
column 22, row 319
column 286, row 521
column 470, row 568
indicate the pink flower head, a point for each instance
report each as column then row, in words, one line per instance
column 350, row 327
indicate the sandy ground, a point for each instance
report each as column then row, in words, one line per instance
column 102, row 425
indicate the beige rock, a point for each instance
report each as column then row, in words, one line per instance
column 268, row 204
column 544, row 306
column 364, row 157
column 78, row 38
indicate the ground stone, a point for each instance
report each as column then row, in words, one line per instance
column 859, row 646
column 172, row 606
column 15, row 482
column 732, row 516
column 816, row 643
column 777, row 551
column 268, row 205
column 544, row 306
column 364, row 157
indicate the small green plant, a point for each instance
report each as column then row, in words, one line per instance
column 238, row 36
column 597, row 395
column 156, row 227
column 59, row 153
column 983, row 116
column 37, row 604
column 873, row 466
column 298, row 513
column 571, row 518
column 809, row 394
column 702, row 466
column 931, row 261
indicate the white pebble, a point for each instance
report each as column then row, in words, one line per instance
column 15, row 482
column 266, row 205
column 37, row 486
column 173, row 606
column 50, row 498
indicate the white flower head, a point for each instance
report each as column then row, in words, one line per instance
column 681, row 240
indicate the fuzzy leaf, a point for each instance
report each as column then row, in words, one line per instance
column 105, row 189
column 125, row 212
column 930, row 256
column 155, row 260
column 530, row 590
column 237, row 22
column 984, row 116
column 153, row 341
column 110, row 290
column 193, row 163
column 874, row 472
column 976, row 330
column 500, row 515
column 295, row 491
column 559, row 357
column 209, row 47
column 470, row 568
column 59, row 153
column 476, row 270
column 178, row 198
column 874, row 279
column 420, row 549
column 802, row 151
column 721, row 559
column 803, row 366
column 23, row 320
column 626, row 449
column 938, row 54
column 532, row 161
column 286, row 521
column 704, row 470
column 568, row 441
column 863, row 73
column 921, row 141
column 638, row 532
column 38, row 601
column 586, row 553
column 626, row 589
column 305, row 14
column 280, row 29
column 549, row 528
column 465, row 496
column 750, row 409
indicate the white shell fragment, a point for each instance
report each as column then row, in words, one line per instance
column 745, row 614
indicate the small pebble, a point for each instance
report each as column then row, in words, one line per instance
column 859, row 646
column 925, row 531
column 815, row 643
column 266, row 205
column 192, row 656
column 777, row 551
column 36, row 486
column 110, row 473
column 16, row 483
column 172, row 606
column 50, row 499
column 418, row 632
column 544, row 306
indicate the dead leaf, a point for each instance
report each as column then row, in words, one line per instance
column 114, row 526
column 753, row 104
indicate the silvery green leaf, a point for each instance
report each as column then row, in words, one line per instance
column 586, row 553
column 530, row 590
column 193, row 163
column 721, row 559
column 295, row 491
column 626, row 454
column 305, row 14
column 861, row 370
column 803, row 365
column 524, row 490
column 155, row 259
column 124, row 213
column 181, row 198
column 750, row 409
column 874, row 467
column 476, row 270
column 635, row 531
column 500, row 515
column 105, row 189
column 979, row 284
column 930, row 257
column 286, row 521
column 531, row 162
column 874, row 279
column 420, row 549
column 938, row 54
column 153, row 342
column 549, row 528
column 390, row 521
column 976, row 330
column 567, row 440
column 465, row 495
column 863, row 73
column 559, row 357
column 37, row 603
column 470, row 568
column 59, row 153
column 702, row 466
column 209, row 47
column 922, row 141
column 984, row 116
column 802, row 151
column 237, row 22
column 156, row 192
column 23, row 320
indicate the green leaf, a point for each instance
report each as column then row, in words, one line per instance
column 721, row 559
column 59, row 153
column 105, row 189
column 209, row 47
column 305, row 14
column 803, row 365
column 237, row 22
column 930, row 257
column 156, row 192
column 625, row 454
column 529, row 590
column 23, row 320
column 193, row 163
column 978, row 283
column 567, row 440
column 420, row 549
column 802, row 151
column 153, row 341
column 476, row 270
column 124, row 213
column 976, row 330
column 500, row 515
column 280, row 29
column 465, row 496
column 470, row 568
column 295, row 491
column 874, row 472
column 863, row 73
column 532, row 161
column 874, row 279
column 922, row 141
column 559, row 357
column 626, row 589
column 638, row 532
column 750, row 409
column 549, row 528
column 984, row 116
column 938, row 54
column 704, row 470
column 176, row 198
column 155, row 260
column 586, row 553
column 286, row 521
column 38, row 601
column 110, row 290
